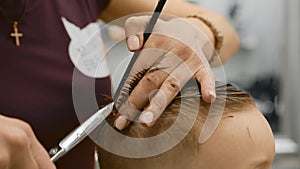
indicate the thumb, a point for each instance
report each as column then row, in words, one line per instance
column 134, row 29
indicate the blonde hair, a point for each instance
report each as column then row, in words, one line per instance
column 184, row 153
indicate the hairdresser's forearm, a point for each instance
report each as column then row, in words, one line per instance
column 181, row 8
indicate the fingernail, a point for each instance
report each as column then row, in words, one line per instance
column 147, row 117
column 120, row 122
column 133, row 42
column 212, row 94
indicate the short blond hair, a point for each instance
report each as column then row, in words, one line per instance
column 189, row 153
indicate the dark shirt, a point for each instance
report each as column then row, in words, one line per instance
column 36, row 78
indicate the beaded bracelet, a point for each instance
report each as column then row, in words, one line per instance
column 216, row 32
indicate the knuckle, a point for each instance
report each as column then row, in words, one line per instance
column 158, row 106
column 160, row 101
column 173, row 85
column 128, row 110
column 19, row 139
column 210, row 77
column 156, row 41
column 201, row 73
column 206, row 69
column 131, row 20
column 183, row 50
column 151, row 81
column 26, row 128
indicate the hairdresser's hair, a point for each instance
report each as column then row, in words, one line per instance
column 235, row 101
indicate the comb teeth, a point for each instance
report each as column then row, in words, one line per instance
column 127, row 89
column 134, row 81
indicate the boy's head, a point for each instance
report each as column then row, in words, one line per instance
column 173, row 141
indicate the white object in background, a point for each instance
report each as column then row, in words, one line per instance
column 285, row 145
column 86, row 49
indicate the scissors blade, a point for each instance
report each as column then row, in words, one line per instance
column 81, row 132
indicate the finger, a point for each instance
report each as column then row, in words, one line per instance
column 205, row 77
column 17, row 144
column 14, row 146
column 36, row 152
column 140, row 95
column 126, row 114
column 207, row 80
column 169, row 89
column 154, row 79
column 134, row 28
column 145, row 62
column 137, row 101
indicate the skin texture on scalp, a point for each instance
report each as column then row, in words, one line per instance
column 242, row 140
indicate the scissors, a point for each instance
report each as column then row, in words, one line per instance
column 87, row 127
column 81, row 132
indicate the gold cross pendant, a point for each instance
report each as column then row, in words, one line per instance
column 16, row 33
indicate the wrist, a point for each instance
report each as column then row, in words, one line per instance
column 216, row 39
column 203, row 27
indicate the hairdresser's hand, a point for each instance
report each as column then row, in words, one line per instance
column 19, row 148
column 176, row 51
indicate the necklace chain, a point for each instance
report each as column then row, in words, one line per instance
column 15, row 34
column 11, row 20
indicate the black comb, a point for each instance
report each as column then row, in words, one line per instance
column 146, row 35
